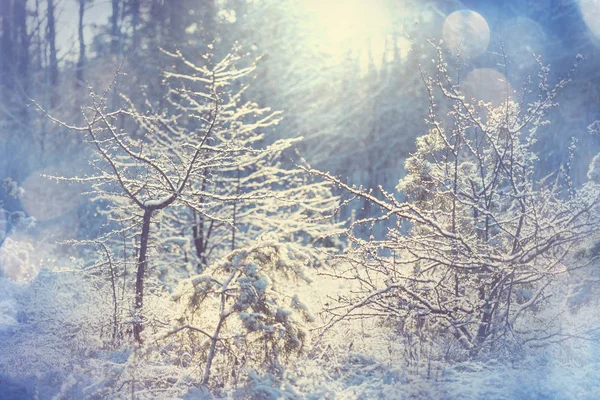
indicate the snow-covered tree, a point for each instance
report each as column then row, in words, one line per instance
column 481, row 243
column 154, row 162
column 190, row 169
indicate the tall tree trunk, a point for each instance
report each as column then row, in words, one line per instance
column 51, row 38
column 176, row 27
column 21, row 48
column 6, row 43
column 79, row 73
column 135, row 23
column 139, row 276
column 39, row 52
column 199, row 242
column 115, row 31
column 21, row 36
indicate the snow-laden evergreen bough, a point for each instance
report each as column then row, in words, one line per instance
column 477, row 258
column 260, row 323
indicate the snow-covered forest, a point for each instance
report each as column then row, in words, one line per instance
column 299, row 199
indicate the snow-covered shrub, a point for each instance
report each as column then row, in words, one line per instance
column 476, row 260
column 242, row 313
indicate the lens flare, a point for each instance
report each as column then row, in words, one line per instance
column 466, row 33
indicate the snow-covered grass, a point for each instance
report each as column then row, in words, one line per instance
column 356, row 376
column 65, row 359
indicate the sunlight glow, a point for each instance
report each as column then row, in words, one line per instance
column 342, row 21
column 590, row 9
column 466, row 33
column 355, row 26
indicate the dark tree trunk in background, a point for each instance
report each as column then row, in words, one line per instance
column 202, row 231
column 115, row 31
column 22, row 39
column 51, row 38
column 209, row 27
column 154, row 27
column 36, row 35
column 135, row 23
column 6, row 43
column 79, row 73
column 14, row 53
column 176, row 28
column 199, row 242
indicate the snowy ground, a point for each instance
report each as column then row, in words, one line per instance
column 37, row 364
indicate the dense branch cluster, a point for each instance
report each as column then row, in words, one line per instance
column 481, row 242
column 187, row 180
